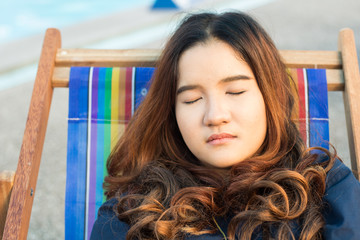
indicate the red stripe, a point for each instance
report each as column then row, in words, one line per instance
column 128, row 93
column 302, row 104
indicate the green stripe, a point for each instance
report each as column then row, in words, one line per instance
column 107, row 118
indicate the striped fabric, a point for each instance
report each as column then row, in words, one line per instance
column 311, row 107
column 101, row 102
column 109, row 96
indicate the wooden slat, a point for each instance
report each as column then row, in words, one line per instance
column 148, row 57
column 351, row 95
column 66, row 58
column 6, row 183
column 106, row 58
column 61, row 77
column 18, row 217
column 335, row 78
column 312, row 59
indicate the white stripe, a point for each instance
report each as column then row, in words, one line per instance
column 133, row 91
column 319, row 119
column 316, row 119
column 306, row 109
column 98, row 120
column 88, row 154
column 77, row 119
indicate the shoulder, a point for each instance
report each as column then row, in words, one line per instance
column 107, row 225
column 338, row 174
column 341, row 200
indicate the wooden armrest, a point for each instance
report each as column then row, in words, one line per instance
column 6, row 184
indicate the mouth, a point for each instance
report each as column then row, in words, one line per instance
column 216, row 139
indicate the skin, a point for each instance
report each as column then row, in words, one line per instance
column 220, row 110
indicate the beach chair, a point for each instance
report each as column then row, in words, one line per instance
column 6, row 183
column 342, row 74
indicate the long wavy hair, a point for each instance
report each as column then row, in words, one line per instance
column 165, row 192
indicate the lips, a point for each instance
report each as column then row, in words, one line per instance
column 220, row 138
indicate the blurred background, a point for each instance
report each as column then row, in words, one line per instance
column 114, row 24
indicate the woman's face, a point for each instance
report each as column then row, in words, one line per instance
column 220, row 110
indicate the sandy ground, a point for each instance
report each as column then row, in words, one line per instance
column 302, row 25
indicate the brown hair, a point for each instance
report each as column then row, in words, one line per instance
column 165, row 192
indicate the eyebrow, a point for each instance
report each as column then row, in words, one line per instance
column 224, row 80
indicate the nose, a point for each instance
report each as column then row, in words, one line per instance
column 216, row 113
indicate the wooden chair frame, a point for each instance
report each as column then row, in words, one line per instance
column 53, row 71
column 6, row 183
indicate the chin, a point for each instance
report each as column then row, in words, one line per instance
column 222, row 165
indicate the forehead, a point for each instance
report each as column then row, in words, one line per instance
column 211, row 60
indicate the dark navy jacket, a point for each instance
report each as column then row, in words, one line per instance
column 342, row 211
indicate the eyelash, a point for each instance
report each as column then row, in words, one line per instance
column 235, row 93
column 231, row 93
column 193, row 101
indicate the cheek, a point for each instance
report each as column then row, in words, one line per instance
column 261, row 123
column 260, row 113
column 252, row 110
column 183, row 119
column 189, row 122
column 254, row 117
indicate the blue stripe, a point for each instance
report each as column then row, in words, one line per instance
column 142, row 83
column 100, row 138
column 318, row 108
column 76, row 154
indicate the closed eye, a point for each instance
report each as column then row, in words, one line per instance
column 193, row 101
column 235, row 93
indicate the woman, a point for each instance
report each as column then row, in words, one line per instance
column 212, row 152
